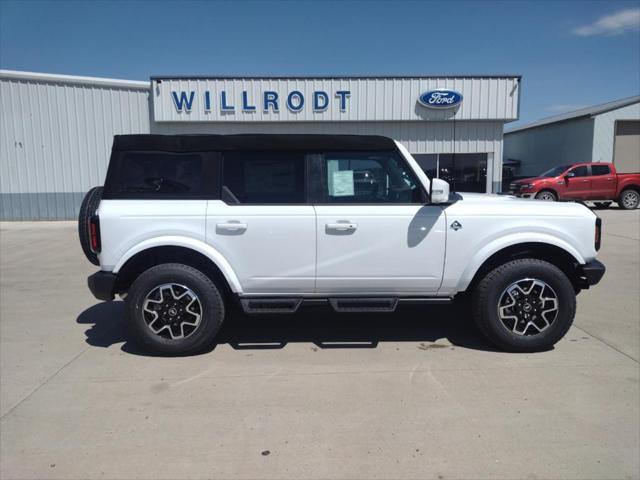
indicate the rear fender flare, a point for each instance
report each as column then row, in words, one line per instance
column 186, row 242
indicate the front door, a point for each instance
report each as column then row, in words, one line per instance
column 375, row 234
column 263, row 225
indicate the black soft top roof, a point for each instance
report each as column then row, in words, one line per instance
column 200, row 143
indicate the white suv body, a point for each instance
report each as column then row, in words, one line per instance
column 399, row 242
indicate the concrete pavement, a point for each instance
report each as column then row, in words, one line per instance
column 416, row 394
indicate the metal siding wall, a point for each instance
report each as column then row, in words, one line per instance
column 55, row 142
column 55, row 136
column 372, row 99
column 431, row 137
column 604, row 130
column 543, row 147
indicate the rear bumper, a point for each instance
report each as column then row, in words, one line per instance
column 102, row 285
column 591, row 273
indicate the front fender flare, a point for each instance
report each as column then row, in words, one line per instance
column 501, row 243
column 191, row 243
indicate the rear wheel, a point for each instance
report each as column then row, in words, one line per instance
column 174, row 309
column 525, row 305
column 629, row 199
column 88, row 208
column 547, row 196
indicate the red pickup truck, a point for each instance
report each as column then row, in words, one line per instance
column 596, row 182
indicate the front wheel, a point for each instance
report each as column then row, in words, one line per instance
column 547, row 196
column 629, row 199
column 525, row 305
column 174, row 309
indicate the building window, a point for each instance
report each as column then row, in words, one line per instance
column 465, row 172
column 428, row 162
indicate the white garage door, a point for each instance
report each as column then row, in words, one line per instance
column 626, row 152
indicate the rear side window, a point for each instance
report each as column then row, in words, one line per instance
column 263, row 177
column 162, row 175
column 600, row 170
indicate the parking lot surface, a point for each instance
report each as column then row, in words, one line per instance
column 415, row 394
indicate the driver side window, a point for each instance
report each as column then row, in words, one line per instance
column 581, row 171
column 369, row 177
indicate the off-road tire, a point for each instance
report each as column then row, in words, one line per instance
column 486, row 298
column 88, row 208
column 212, row 313
column 625, row 195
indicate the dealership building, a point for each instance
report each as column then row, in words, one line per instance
column 57, row 130
column 609, row 132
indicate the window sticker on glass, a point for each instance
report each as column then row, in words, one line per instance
column 342, row 184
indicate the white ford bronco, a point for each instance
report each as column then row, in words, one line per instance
column 185, row 225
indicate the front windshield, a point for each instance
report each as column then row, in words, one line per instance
column 554, row 172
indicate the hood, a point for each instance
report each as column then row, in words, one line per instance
column 527, row 180
column 491, row 203
column 484, row 197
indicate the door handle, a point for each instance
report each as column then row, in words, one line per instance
column 342, row 227
column 230, row 227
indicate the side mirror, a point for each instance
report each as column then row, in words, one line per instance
column 439, row 191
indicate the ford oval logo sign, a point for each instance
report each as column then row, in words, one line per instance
column 440, row 98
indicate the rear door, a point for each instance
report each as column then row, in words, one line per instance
column 577, row 183
column 263, row 224
column 603, row 182
column 375, row 232
column 150, row 194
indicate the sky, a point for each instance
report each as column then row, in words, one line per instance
column 571, row 54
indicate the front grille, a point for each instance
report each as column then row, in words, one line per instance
column 515, row 188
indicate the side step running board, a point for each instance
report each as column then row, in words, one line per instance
column 256, row 305
column 364, row 304
column 270, row 305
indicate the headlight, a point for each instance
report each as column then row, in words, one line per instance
column 527, row 185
